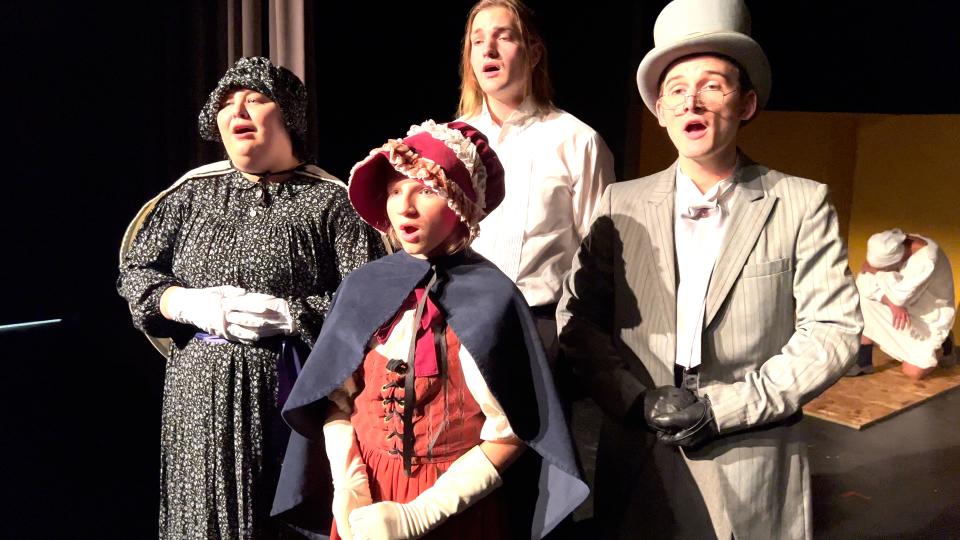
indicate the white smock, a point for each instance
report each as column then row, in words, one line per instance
column 924, row 285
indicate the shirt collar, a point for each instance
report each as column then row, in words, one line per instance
column 289, row 186
column 688, row 193
column 689, row 202
column 524, row 114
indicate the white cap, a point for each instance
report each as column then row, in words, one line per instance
column 885, row 248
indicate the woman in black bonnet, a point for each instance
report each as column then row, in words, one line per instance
column 230, row 273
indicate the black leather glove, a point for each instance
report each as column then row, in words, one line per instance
column 689, row 427
column 656, row 401
column 665, row 400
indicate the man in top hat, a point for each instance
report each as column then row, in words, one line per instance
column 707, row 304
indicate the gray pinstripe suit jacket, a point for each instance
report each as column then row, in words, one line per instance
column 782, row 323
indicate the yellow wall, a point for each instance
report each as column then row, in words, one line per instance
column 884, row 171
column 907, row 177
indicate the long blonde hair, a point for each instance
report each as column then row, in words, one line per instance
column 539, row 87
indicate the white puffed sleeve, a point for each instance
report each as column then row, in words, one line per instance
column 903, row 287
column 496, row 427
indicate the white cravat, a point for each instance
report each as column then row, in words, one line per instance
column 700, row 223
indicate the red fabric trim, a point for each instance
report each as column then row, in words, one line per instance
column 425, row 357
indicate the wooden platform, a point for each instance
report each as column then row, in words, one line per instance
column 858, row 402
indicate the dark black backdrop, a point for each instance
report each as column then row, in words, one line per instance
column 98, row 114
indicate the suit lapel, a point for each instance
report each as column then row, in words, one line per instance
column 660, row 227
column 748, row 215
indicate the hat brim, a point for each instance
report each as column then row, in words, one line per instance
column 740, row 47
column 367, row 190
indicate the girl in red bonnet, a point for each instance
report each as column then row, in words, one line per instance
column 428, row 389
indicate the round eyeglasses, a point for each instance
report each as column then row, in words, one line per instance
column 710, row 99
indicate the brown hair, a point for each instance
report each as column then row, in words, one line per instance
column 540, row 89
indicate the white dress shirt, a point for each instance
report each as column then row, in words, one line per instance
column 700, row 223
column 556, row 169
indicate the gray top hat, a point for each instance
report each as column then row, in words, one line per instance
column 686, row 27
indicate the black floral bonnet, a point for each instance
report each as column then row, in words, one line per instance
column 259, row 74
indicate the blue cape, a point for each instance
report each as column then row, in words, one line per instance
column 492, row 321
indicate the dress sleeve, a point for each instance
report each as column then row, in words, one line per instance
column 869, row 287
column 348, row 243
column 146, row 270
column 903, row 287
column 496, row 427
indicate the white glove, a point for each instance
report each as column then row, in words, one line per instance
column 351, row 488
column 469, row 479
column 256, row 315
column 200, row 307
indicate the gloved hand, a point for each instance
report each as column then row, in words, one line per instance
column 469, row 479
column 656, row 401
column 202, row 308
column 351, row 487
column 665, row 399
column 689, row 427
column 256, row 315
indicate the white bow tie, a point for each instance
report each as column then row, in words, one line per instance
column 702, row 210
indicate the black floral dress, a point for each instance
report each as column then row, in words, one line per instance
column 294, row 239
